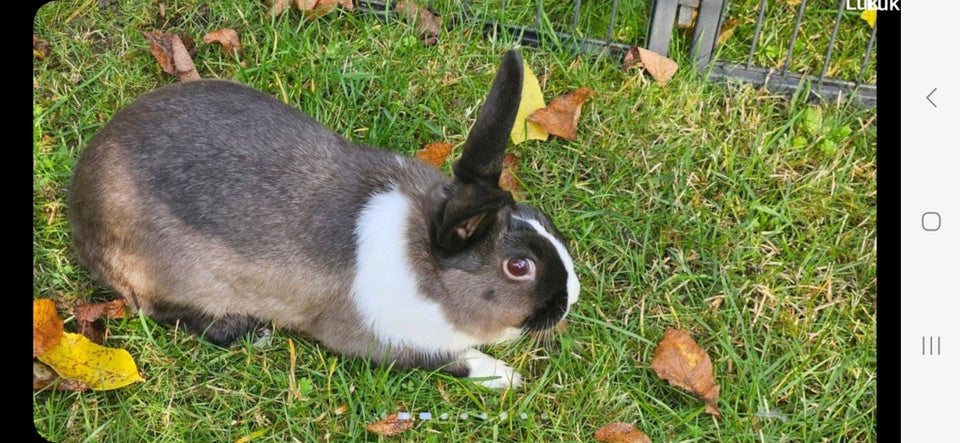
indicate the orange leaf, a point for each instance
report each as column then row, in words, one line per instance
column 435, row 153
column 621, row 433
column 562, row 115
column 172, row 54
column 680, row 360
column 228, row 39
column 508, row 176
column 47, row 326
column 658, row 66
column 390, row 426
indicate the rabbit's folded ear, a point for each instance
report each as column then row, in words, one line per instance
column 482, row 158
column 467, row 215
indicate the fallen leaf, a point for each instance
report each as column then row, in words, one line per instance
column 314, row 9
column 531, row 99
column 390, row 426
column 435, row 153
column 42, row 375
column 88, row 317
column 47, row 326
column 77, row 358
column 278, row 7
column 428, row 25
column 679, row 360
column 169, row 50
column 40, row 48
column 508, row 176
column 561, row 116
column 89, row 312
column 621, row 433
column 869, row 16
column 660, row 67
column 228, row 39
column 726, row 30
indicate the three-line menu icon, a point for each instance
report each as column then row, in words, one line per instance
column 930, row 345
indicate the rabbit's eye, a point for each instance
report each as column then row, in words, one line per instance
column 519, row 268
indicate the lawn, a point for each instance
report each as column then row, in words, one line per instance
column 743, row 217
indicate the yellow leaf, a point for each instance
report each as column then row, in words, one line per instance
column 870, row 16
column 78, row 358
column 531, row 99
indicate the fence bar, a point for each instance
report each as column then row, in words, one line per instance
column 833, row 40
column 756, row 33
column 663, row 14
column 709, row 21
column 576, row 16
column 866, row 54
column 793, row 37
column 613, row 20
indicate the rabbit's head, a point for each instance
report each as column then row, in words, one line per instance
column 504, row 263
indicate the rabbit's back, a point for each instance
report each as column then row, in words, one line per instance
column 210, row 196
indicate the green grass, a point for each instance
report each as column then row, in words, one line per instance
column 748, row 219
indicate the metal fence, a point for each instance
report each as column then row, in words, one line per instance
column 783, row 46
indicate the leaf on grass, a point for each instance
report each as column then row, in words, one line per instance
column 228, row 39
column 679, row 360
column 390, row 426
column 726, row 30
column 42, row 375
column 47, row 326
column 621, row 433
column 435, row 153
column 428, row 25
column 278, row 7
column 869, row 16
column 508, row 176
column 171, row 52
column 89, row 314
column 40, row 48
column 660, row 67
column 77, row 358
column 531, row 99
column 562, row 115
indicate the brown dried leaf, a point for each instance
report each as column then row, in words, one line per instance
column 89, row 314
column 278, row 7
column 680, row 360
column 47, row 326
column 228, row 39
column 726, row 30
column 390, row 426
column 562, row 115
column 435, row 153
column 40, row 48
column 508, row 176
column 314, row 9
column 42, row 375
column 621, row 433
column 660, row 67
column 428, row 25
column 172, row 54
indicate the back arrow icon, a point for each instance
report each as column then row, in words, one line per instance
column 928, row 97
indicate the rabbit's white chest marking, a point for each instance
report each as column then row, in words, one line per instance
column 573, row 283
column 385, row 285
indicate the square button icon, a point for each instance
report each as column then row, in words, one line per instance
column 930, row 221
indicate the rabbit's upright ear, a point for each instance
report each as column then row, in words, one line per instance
column 482, row 158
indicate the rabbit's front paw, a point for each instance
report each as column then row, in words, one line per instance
column 493, row 373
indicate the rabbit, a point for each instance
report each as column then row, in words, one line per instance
column 219, row 208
